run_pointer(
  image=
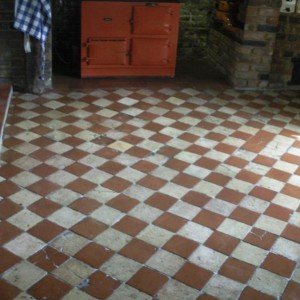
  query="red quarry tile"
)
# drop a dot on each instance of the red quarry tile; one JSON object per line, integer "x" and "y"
{"x": 8, "y": 188}
{"x": 181, "y": 246}
{"x": 138, "y": 250}
{"x": 193, "y": 276}
{"x": 8, "y": 209}
{"x": 144, "y": 166}
{"x": 207, "y": 163}
{"x": 263, "y": 193}
{"x": 196, "y": 198}
{"x": 161, "y": 201}
{"x": 8, "y": 291}
{"x": 292, "y": 291}
{"x": 252, "y": 294}
{"x": 278, "y": 212}
{"x": 237, "y": 270}
{"x": 48, "y": 259}
{"x": 43, "y": 170}
{"x": 101, "y": 286}
{"x": 85, "y": 205}
{"x": 261, "y": 238}
{"x": 225, "y": 148}
{"x": 46, "y": 230}
{"x": 7, "y": 260}
{"x": 248, "y": 176}
{"x": 77, "y": 169}
{"x": 259, "y": 141}
{"x": 244, "y": 215}
{"x": 292, "y": 233}
{"x": 123, "y": 203}
{"x": 222, "y": 242}
{"x": 185, "y": 180}
{"x": 264, "y": 160}
{"x": 130, "y": 225}
{"x": 111, "y": 167}
{"x": 81, "y": 186}
{"x": 176, "y": 164}
{"x": 116, "y": 184}
{"x": 9, "y": 170}
{"x": 236, "y": 162}
{"x": 148, "y": 281}
{"x": 170, "y": 222}
{"x": 231, "y": 196}
{"x": 217, "y": 178}
{"x": 94, "y": 255}
{"x": 152, "y": 182}
{"x": 75, "y": 154}
{"x": 8, "y": 232}
{"x": 43, "y": 187}
{"x": 49, "y": 288}
{"x": 44, "y": 207}
{"x": 209, "y": 219}
{"x": 291, "y": 190}
{"x": 278, "y": 175}
{"x": 279, "y": 264}
{"x": 89, "y": 228}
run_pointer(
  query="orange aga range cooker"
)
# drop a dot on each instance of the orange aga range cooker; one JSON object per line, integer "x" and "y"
{"x": 122, "y": 38}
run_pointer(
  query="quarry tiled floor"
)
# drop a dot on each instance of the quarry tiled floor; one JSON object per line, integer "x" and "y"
{"x": 151, "y": 194}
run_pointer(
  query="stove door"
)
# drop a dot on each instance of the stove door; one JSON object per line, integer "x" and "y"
{"x": 152, "y": 20}
{"x": 112, "y": 52}
{"x": 150, "y": 52}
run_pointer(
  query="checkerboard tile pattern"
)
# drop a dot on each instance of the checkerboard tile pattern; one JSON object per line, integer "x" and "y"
{"x": 151, "y": 193}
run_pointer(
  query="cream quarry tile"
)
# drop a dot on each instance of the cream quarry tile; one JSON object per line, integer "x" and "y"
{"x": 157, "y": 110}
{"x": 271, "y": 184}
{"x": 248, "y": 129}
{"x": 220, "y": 207}
{"x": 296, "y": 275}
{"x": 174, "y": 190}
{"x": 154, "y": 235}
{"x": 145, "y": 212}
{"x": 164, "y": 173}
{"x": 113, "y": 239}
{"x": 24, "y": 198}
{"x": 249, "y": 253}
{"x": 143, "y": 133}
{"x": 151, "y": 100}
{"x": 217, "y": 155}
{"x": 165, "y": 262}
{"x": 73, "y": 271}
{"x": 197, "y": 171}
{"x": 120, "y": 267}
{"x": 189, "y": 120}
{"x": 150, "y": 145}
{"x": 58, "y": 147}
{"x": 184, "y": 210}
{"x": 268, "y": 282}
{"x": 286, "y": 201}
{"x": 132, "y": 111}
{"x": 69, "y": 243}
{"x": 295, "y": 219}
{"x": 223, "y": 130}
{"x": 176, "y": 290}
{"x": 294, "y": 180}
{"x": 66, "y": 217}
{"x": 244, "y": 154}
{"x": 168, "y": 91}
{"x": 81, "y": 114}
{"x": 56, "y": 124}
{"x": 254, "y": 204}
{"x": 213, "y": 120}
{"x": 178, "y": 144}
{"x": 89, "y": 147}
{"x": 27, "y": 115}
{"x": 187, "y": 157}
{"x": 61, "y": 177}
{"x": 120, "y": 146}
{"x": 208, "y": 188}
{"x": 233, "y": 141}
{"x": 64, "y": 196}
{"x": 96, "y": 176}
{"x": 227, "y": 170}
{"x": 287, "y": 248}
{"x": 206, "y": 143}
{"x": 76, "y": 95}
{"x": 24, "y": 275}
{"x": 234, "y": 228}
{"x": 201, "y": 132}
{"x": 107, "y": 215}
{"x": 270, "y": 224}
{"x": 123, "y": 92}
{"x": 24, "y": 296}
{"x": 24, "y": 245}
{"x": 131, "y": 175}
{"x": 83, "y": 124}
{"x": 127, "y": 292}
{"x": 59, "y": 161}
{"x": 157, "y": 159}
{"x": 25, "y": 179}
{"x": 175, "y": 101}
{"x": 24, "y": 219}
{"x": 27, "y": 97}
{"x": 172, "y": 132}
{"x": 26, "y": 148}
{"x": 128, "y": 101}
{"x": 240, "y": 186}
{"x": 195, "y": 232}
{"x": 86, "y": 135}
{"x": 99, "y": 93}
{"x": 285, "y": 166}
{"x": 223, "y": 288}
{"x": 92, "y": 160}
{"x": 207, "y": 258}
{"x": 57, "y": 135}
{"x": 52, "y": 96}
{"x": 75, "y": 293}
{"x": 26, "y": 163}
{"x": 101, "y": 194}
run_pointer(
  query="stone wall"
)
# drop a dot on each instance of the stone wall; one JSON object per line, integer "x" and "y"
{"x": 245, "y": 56}
{"x": 287, "y": 48}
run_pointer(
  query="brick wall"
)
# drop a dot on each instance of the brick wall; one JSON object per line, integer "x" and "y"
{"x": 12, "y": 58}
{"x": 245, "y": 56}
{"x": 287, "y": 48}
